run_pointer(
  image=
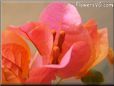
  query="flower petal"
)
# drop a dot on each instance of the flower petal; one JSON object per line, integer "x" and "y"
{"x": 103, "y": 46}
{"x": 11, "y": 65}
{"x": 17, "y": 30}
{"x": 65, "y": 14}
{"x": 74, "y": 34}
{"x": 36, "y": 61}
{"x": 43, "y": 40}
{"x": 39, "y": 35}
{"x": 91, "y": 27}
{"x": 28, "y": 26}
{"x": 73, "y": 60}
{"x": 16, "y": 50}
{"x": 41, "y": 76}
{"x": 101, "y": 52}
{"x": 80, "y": 55}
{"x": 8, "y": 77}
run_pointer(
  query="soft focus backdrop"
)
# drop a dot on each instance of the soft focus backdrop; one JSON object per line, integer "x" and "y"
{"x": 17, "y": 12}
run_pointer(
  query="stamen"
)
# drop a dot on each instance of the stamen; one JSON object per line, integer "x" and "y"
{"x": 55, "y": 55}
{"x": 57, "y": 48}
{"x": 54, "y": 34}
{"x": 61, "y": 39}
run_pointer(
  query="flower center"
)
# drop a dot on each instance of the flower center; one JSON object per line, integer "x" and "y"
{"x": 57, "y": 49}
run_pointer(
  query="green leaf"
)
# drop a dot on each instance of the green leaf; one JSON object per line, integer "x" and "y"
{"x": 93, "y": 77}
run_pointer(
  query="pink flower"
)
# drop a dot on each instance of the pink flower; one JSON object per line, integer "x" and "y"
{"x": 67, "y": 47}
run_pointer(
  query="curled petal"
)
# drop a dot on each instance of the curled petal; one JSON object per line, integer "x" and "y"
{"x": 65, "y": 14}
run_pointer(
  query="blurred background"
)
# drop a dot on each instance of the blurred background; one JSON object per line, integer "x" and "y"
{"x": 17, "y": 12}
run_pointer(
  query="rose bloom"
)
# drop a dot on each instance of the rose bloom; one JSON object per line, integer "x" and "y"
{"x": 65, "y": 47}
